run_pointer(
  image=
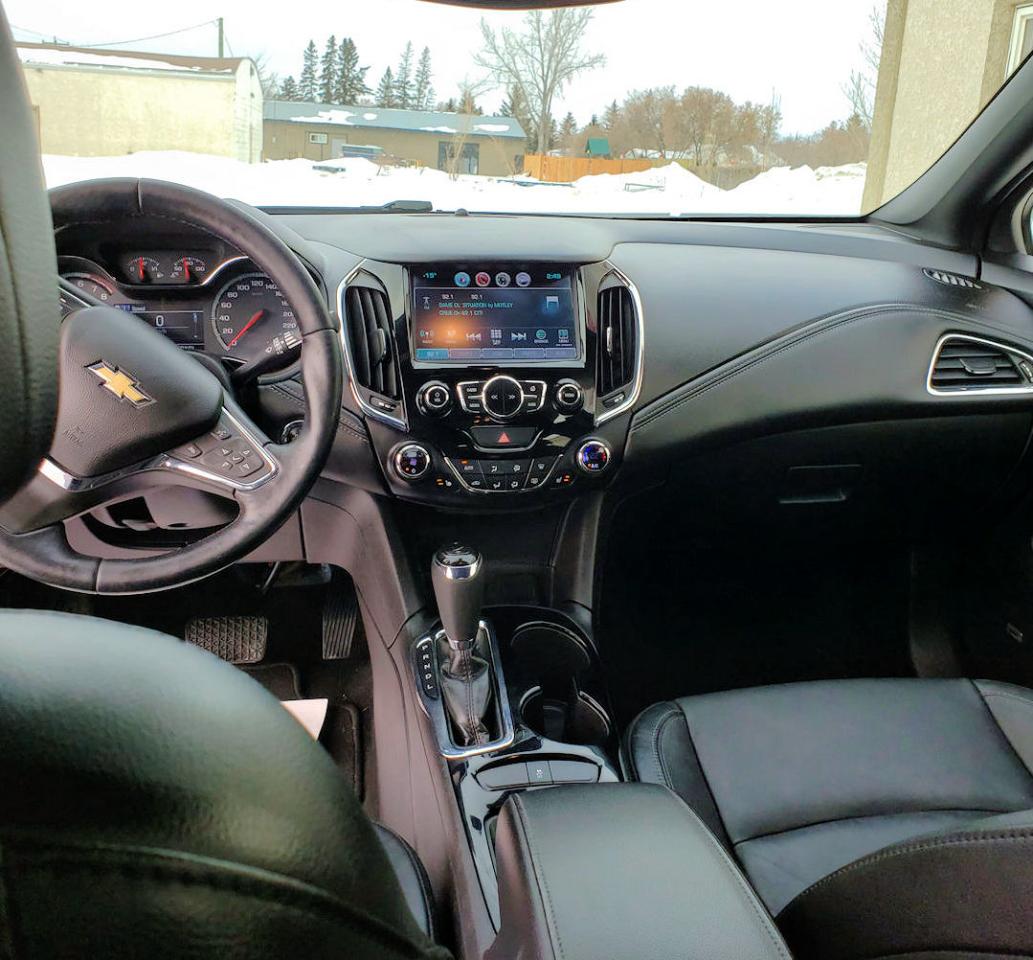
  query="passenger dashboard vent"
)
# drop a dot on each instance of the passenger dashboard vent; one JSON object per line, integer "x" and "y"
{"x": 617, "y": 343}
{"x": 952, "y": 279}
{"x": 373, "y": 360}
{"x": 971, "y": 365}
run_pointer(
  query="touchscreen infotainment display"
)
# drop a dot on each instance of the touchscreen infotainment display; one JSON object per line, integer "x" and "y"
{"x": 480, "y": 313}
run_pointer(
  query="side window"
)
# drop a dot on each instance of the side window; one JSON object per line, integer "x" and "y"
{"x": 1021, "y": 37}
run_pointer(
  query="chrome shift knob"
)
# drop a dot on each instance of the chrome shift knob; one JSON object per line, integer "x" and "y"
{"x": 458, "y": 577}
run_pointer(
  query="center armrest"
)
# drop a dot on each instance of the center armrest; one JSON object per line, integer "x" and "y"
{"x": 624, "y": 871}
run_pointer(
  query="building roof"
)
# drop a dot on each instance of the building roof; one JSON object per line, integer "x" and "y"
{"x": 63, "y": 55}
{"x": 414, "y": 121}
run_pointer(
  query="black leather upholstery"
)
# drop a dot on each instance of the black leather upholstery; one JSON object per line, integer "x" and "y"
{"x": 412, "y": 878}
{"x": 157, "y": 802}
{"x": 624, "y": 872}
{"x": 808, "y": 784}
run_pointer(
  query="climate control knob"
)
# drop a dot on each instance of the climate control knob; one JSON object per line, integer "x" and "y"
{"x": 593, "y": 456}
{"x": 412, "y": 461}
{"x": 434, "y": 398}
{"x": 569, "y": 396}
{"x": 502, "y": 397}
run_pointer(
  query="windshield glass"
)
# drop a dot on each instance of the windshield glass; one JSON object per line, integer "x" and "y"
{"x": 655, "y": 107}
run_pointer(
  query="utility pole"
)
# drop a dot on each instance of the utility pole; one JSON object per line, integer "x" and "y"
{"x": 219, "y": 22}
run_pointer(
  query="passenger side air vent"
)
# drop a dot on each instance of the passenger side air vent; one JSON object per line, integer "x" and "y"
{"x": 970, "y": 365}
{"x": 952, "y": 279}
{"x": 372, "y": 357}
{"x": 617, "y": 345}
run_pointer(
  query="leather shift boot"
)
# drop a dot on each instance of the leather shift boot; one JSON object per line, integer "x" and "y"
{"x": 466, "y": 687}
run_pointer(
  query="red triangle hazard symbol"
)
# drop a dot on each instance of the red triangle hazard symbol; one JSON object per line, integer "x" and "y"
{"x": 504, "y": 437}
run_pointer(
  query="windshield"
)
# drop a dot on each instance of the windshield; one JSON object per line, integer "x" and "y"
{"x": 652, "y": 107}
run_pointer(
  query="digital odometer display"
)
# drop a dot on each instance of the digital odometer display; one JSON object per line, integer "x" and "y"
{"x": 471, "y": 314}
{"x": 184, "y": 327}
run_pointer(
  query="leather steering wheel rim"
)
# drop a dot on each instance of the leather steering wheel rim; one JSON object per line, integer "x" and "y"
{"x": 45, "y": 554}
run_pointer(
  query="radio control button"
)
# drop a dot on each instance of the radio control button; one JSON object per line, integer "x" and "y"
{"x": 569, "y": 396}
{"x": 502, "y": 397}
{"x": 434, "y": 398}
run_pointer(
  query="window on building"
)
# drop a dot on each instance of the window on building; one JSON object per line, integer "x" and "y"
{"x": 469, "y": 157}
{"x": 317, "y": 138}
{"x": 1021, "y": 37}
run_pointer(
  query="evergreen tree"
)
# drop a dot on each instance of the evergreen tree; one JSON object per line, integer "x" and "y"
{"x": 423, "y": 92}
{"x": 447, "y": 106}
{"x": 404, "y": 80}
{"x": 351, "y": 78}
{"x": 569, "y": 126}
{"x": 594, "y": 122}
{"x": 611, "y": 115}
{"x": 289, "y": 89}
{"x": 385, "y": 95}
{"x": 308, "y": 86}
{"x": 328, "y": 71}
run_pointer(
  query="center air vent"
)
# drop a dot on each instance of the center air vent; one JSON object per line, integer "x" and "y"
{"x": 617, "y": 345}
{"x": 972, "y": 365}
{"x": 373, "y": 363}
{"x": 952, "y": 279}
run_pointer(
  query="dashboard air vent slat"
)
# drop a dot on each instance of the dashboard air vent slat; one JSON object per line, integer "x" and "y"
{"x": 964, "y": 365}
{"x": 369, "y": 333}
{"x": 616, "y": 339}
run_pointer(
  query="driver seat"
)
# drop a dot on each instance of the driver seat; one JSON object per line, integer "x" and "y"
{"x": 157, "y": 802}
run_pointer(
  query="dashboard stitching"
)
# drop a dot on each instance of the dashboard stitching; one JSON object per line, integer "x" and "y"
{"x": 341, "y": 426}
{"x": 825, "y": 325}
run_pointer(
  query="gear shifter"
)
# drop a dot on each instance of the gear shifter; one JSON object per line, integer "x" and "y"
{"x": 457, "y": 574}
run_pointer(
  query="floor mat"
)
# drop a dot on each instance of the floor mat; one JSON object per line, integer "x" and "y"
{"x": 280, "y": 679}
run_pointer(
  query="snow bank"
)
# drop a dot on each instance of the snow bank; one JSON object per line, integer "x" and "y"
{"x": 356, "y": 181}
{"x": 55, "y": 55}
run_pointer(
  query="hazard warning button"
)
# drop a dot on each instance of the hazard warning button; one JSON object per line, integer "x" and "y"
{"x": 503, "y": 438}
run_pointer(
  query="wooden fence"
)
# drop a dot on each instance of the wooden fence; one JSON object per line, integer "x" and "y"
{"x": 567, "y": 169}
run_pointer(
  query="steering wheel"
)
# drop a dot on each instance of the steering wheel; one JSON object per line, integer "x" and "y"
{"x": 135, "y": 411}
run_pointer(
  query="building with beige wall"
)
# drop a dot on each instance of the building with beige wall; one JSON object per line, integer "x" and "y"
{"x": 455, "y": 142}
{"x": 92, "y": 102}
{"x": 942, "y": 61}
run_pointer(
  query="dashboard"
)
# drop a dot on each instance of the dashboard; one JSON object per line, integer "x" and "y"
{"x": 499, "y": 363}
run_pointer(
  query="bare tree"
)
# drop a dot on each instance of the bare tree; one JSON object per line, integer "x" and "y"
{"x": 859, "y": 90}
{"x": 540, "y": 58}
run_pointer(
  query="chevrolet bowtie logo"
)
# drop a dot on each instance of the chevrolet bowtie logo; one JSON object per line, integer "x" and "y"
{"x": 120, "y": 383}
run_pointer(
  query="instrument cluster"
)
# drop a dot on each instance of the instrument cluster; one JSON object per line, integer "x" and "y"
{"x": 223, "y": 306}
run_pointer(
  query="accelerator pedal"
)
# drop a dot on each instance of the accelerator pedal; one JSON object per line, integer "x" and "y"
{"x": 340, "y": 620}
{"x": 234, "y": 639}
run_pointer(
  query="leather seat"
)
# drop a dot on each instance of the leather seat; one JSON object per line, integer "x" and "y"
{"x": 157, "y": 802}
{"x": 875, "y": 818}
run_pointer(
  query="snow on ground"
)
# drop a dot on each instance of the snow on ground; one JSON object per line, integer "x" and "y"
{"x": 669, "y": 189}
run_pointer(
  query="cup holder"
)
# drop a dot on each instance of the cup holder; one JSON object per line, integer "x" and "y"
{"x": 577, "y": 720}
{"x": 555, "y": 668}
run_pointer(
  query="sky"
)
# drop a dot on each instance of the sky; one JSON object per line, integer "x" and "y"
{"x": 800, "y": 50}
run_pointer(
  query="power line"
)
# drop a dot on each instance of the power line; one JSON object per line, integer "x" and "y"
{"x": 153, "y": 36}
{"x": 116, "y": 43}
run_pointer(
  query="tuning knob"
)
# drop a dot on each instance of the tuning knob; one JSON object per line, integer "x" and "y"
{"x": 569, "y": 396}
{"x": 503, "y": 397}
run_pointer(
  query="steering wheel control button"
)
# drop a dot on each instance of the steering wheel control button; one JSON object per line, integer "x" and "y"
{"x": 503, "y": 438}
{"x": 412, "y": 461}
{"x": 190, "y": 450}
{"x": 593, "y": 456}
{"x": 434, "y": 398}
{"x": 502, "y": 397}
{"x": 569, "y": 396}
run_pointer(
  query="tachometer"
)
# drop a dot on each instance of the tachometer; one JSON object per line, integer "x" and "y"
{"x": 251, "y": 316}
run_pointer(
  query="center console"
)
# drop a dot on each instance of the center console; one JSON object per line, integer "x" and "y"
{"x": 490, "y": 382}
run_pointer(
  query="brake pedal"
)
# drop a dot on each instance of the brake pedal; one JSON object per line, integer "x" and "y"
{"x": 234, "y": 639}
{"x": 340, "y": 619}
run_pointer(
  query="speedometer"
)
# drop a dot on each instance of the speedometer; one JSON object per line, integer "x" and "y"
{"x": 251, "y": 317}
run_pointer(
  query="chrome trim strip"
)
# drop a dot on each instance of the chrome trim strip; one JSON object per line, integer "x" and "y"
{"x": 640, "y": 344}
{"x": 975, "y": 392}
{"x": 399, "y": 423}
{"x": 466, "y": 572}
{"x": 435, "y": 706}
